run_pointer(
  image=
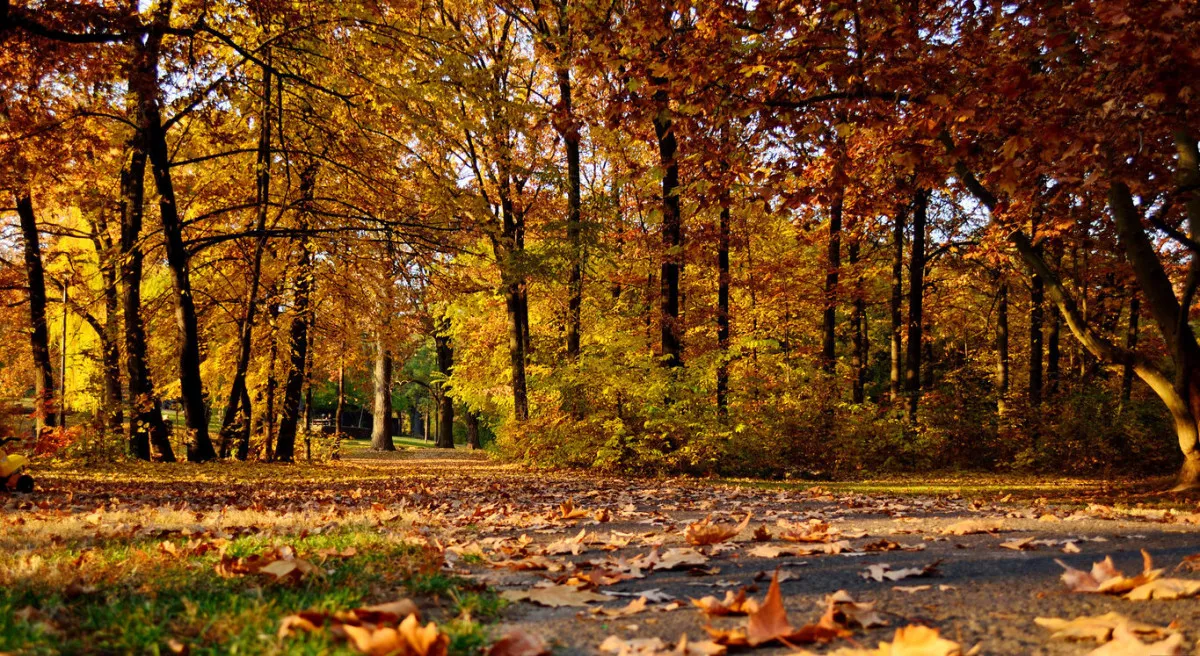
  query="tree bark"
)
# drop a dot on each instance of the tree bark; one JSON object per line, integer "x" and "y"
{"x": 1131, "y": 340}
{"x": 272, "y": 380}
{"x": 1035, "y": 341}
{"x": 298, "y": 339}
{"x": 199, "y": 447}
{"x": 445, "y": 361}
{"x": 146, "y": 424}
{"x": 381, "y": 428}
{"x": 571, "y": 137}
{"x": 858, "y": 364}
{"x": 1002, "y": 361}
{"x": 472, "y": 421}
{"x": 236, "y": 418}
{"x": 416, "y": 424}
{"x": 671, "y": 330}
{"x": 897, "y": 311}
{"x": 833, "y": 266}
{"x": 1053, "y": 353}
{"x": 916, "y": 290}
{"x": 723, "y": 284}
{"x": 39, "y": 334}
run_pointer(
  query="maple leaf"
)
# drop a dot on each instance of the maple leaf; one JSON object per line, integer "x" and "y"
{"x": 769, "y": 623}
{"x": 1165, "y": 589}
{"x": 733, "y": 604}
{"x": 843, "y": 611}
{"x": 409, "y": 639}
{"x": 674, "y": 558}
{"x": 1098, "y": 628}
{"x": 812, "y": 531}
{"x": 1125, "y": 642}
{"x": 568, "y": 511}
{"x": 706, "y": 532}
{"x": 973, "y": 526}
{"x": 1106, "y": 578}
{"x": 555, "y": 596}
{"x": 632, "y": 608}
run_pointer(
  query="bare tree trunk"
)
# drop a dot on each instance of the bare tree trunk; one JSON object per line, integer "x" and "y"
{"x": 1053, "y": 353}
{"x": 39, "y": 335}
{"x": 272, "y": 381}
{"x": 472, "y": 421}
{"x": 298, "y": 340}
{"x": 146, "y": 424}
{"x": 570, "y": 135}
{"x": 1131, "y": 340}
{"x": 916, "y": 291}
{"x": 833, "y": 266}
{"x": 1035, "y": 340}
{"x": 897, "y": 358}
{"x": 723, "y": 284}
{"x": 858, "y": 364}
{"x": 1002, "y": 347}
{"x": 381, "y": 429}
{"x": 671, "y": 330}
{"x": 236, "y": 418}
{"x": 445, "y": 361}
{"x": 199, "y": 447}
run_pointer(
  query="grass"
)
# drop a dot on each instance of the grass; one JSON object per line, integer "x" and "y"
{"x": 110, "y": 564}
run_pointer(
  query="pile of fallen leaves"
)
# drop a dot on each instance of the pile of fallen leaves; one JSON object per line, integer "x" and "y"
{"x": 391, "y": 629}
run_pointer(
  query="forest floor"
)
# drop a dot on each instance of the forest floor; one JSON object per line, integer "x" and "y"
{"x": 222, "y": 558}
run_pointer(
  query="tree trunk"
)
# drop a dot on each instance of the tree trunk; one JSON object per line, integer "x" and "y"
{"x": 445, "y": 361}
{"x": 416, "y": 424}
{"x": 272, "y": 380}
{"x": 858, "y": 364}
{"x": 298, "y": 339}
{"x": 339, "y": 415}
{"x": 146, "y": 424}
{"x": 723, "y": 280}
{"x": 1002, "y": 347}
{"x": 1052, "y": 336}
{"x": 1131, "y": 340}
{"x": 1035, "y": 341}
{"x": 671, "y": 330}
{"x": 570, "y": 135}
{"x": 199, "y": 447}
{"x": 833, "y": 266}
{"x": 897, "y": 358}
{"x": 472, "y": 421}
{"x": 39, "y": 335}
{"x": 236, "y": 418}
{"x": 916, "y": 290}
{"x": 381, "y": 429}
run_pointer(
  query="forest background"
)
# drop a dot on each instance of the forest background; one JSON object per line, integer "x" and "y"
{"x": 746, "y": 238}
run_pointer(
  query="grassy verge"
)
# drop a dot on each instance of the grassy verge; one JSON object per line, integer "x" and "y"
{"x": 145, "y": 575}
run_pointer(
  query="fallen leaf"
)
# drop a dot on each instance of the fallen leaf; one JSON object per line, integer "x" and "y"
{"x": 733, "y": 604}
{"x": 884, "y": 572}
{"x": 706, "y": 532}
{"x": 1019, "y": 544}
{"x": 1165, "y": 589}
{"x": 1106, "y": 578}
{"x": 632, "y": 608}
{"x": 1125, "y": 642}
{"x": 519, "y": 643}
{"x": 973, "y": 526}
{"x": 1098, "y": 628}
{"x": 841, "y": 610}
{"x": 555, "y": 596}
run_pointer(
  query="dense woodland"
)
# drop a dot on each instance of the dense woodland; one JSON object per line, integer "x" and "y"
{"x": 782, "y": 237}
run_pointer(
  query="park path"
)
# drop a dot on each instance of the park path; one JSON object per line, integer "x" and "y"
{"x": 515, "y": 529}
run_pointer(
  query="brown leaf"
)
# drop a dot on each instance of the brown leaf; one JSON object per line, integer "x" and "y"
{"x": 812, "y": 531}
{"x": 1106, "y": 578}
{"x": 519, "y": 643}
{"x": 568, "y": 511}
{"x": 883, "y": 571}
{"x": 770, "y": 623}
{"x": 973, "y": 526}
{"x": 1098, "y": 628}
{"x": 555, "y": 596}
{"x": 733, "y": 604}
{"x": 842, "y": 611}
{"x": 1165, "y": 589}
{"x": 1125, "y": 642}
{"x": 706, "y": 532}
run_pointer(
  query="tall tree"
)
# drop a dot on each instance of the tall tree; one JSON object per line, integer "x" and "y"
{"x": 39, "y": 334}
{"x": 916, "y": 296}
